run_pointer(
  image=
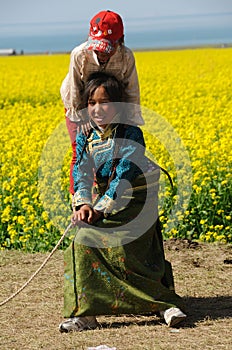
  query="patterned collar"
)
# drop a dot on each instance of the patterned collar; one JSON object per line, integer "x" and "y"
{"x": 109, "y": 130}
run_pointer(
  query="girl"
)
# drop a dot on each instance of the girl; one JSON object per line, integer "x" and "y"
{"x": 116, "y": 263}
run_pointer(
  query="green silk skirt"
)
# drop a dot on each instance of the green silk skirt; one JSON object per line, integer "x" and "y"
{"x": 117, "y": 266}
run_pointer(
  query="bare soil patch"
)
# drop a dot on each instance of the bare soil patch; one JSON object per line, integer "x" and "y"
{"x": 202, "y": 276}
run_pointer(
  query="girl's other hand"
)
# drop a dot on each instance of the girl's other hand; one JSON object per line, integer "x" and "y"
{"x": 84, "y": 214}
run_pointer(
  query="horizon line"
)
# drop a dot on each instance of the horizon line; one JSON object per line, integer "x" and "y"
{"x": 180, "y": 16}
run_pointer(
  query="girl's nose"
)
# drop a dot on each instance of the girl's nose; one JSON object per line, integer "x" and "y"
{"x": 97, "y": 107}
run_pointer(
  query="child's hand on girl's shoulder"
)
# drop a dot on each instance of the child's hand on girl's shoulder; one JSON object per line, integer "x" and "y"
{"x": 84, "y": 127}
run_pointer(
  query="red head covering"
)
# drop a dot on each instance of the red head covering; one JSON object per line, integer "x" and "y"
{"x": 106, "y": 28}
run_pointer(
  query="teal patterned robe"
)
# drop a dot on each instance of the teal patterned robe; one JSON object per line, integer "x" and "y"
{"x": 117, "y": 265}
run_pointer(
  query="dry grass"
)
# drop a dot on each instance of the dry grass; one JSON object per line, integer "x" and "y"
{"x": 202, "y": 277}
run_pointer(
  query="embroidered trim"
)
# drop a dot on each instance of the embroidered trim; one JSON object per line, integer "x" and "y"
{"x": 81, "y": 197}
{"x": 105, "y": 204}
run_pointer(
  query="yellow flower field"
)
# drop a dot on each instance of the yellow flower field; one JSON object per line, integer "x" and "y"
{"x": 188, "y": 92}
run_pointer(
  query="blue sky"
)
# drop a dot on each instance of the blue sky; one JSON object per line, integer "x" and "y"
{"x": 24, "y": 18}
{"x": 40, "y": 11}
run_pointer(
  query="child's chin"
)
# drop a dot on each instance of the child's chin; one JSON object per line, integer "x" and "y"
{"x": 100, "y": 123}
{"x": 103, "y": 126}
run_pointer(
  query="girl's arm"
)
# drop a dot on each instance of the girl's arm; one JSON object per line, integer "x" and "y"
{"x": 82, "y": 175}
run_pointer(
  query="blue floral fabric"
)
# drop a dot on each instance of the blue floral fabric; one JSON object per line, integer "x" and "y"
{"x": 97, "y": 153}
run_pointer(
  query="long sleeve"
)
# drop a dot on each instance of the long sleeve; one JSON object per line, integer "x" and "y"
{"x": 131, "y": 81}
{"x": 72, "y": 86}
{"x": 132, "y": 89}
{"x": 83, "y": 175}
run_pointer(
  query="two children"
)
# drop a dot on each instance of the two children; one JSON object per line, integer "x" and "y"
{"x": 104, "y": 51}
{"x": 102, "y": 277}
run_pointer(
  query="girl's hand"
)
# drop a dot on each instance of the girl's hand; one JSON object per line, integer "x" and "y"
{"x": 85, "y": 214}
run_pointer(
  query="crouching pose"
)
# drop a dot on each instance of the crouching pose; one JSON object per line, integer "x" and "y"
{"x": 116, "y": 263}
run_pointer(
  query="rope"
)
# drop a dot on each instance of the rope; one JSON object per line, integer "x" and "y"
{"x": 39, "y": 269}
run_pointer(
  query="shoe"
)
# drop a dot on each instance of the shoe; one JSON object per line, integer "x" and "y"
{"x": 173, "y": 316}
{"x": 78, "y": 324}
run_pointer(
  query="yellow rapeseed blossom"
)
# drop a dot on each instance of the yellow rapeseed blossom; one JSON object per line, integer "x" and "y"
{"x": 191, "y": 92}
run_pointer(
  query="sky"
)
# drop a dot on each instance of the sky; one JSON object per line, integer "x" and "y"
{"x": 62, "y": 17}
{"x": 41, "y": 11}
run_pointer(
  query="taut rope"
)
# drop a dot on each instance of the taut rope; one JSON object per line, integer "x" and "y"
{"x": 39, "y": 269}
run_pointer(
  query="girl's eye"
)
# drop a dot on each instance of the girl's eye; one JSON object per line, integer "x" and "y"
{"x": 92, "y": 103}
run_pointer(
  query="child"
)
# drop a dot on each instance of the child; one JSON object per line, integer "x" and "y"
{"x": 103, "y": 51}
{"x": 116, "y": 263}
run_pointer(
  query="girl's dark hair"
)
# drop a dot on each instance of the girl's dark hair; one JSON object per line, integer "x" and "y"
{"x": 113, "y": 87}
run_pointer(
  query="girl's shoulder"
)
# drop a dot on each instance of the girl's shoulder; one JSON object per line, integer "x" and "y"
{"x": 80, "y": 138}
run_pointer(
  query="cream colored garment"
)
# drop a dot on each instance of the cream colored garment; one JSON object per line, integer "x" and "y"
{"x": 84, "y": 62}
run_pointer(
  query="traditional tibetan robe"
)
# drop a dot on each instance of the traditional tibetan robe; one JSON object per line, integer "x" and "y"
{"x": 117, "y": 265}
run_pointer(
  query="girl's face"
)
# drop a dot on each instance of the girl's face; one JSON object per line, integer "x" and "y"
{"x": 101, "y": 110}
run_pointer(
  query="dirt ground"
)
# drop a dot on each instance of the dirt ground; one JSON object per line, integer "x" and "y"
{"x": 202, "y": 277}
